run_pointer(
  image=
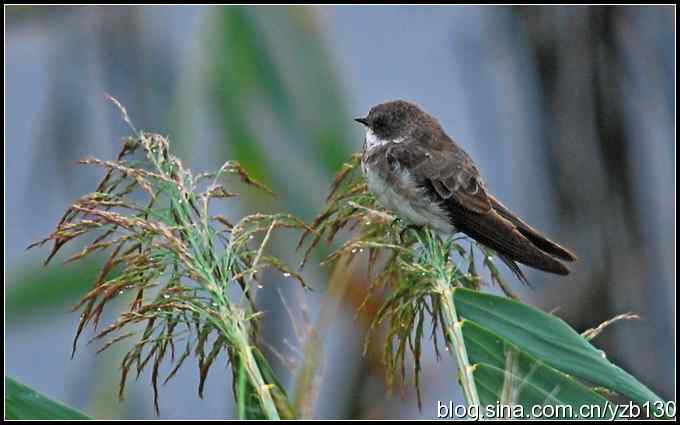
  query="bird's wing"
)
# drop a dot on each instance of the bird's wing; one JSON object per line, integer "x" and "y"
{"x": 450, "y": 172}
{"x": 532, "y": 234}
{"x": 501, "y": 235}
{"x": 452, "y": 178}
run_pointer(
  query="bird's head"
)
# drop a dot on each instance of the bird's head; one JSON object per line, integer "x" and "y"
{"x": 391, "y": 121}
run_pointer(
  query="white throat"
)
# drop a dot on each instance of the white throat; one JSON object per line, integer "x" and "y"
{"x": 372, "y": 140}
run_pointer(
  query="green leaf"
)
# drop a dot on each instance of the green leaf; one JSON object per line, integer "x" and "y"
{"x": 263, "y": 82}
{"x": 241, "y": 67}
{"x": 22, "y": 402}
{"x": 321, "y": 114}
{"x": 506, "y": 375}
{"x": 548, "y": 339}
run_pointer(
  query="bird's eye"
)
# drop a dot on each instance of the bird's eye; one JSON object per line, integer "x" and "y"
{"x": 379, "y": 123}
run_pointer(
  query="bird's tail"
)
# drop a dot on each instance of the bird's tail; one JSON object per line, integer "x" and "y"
{"x": 541, "y": 242}
{"x": 499, "y": 231}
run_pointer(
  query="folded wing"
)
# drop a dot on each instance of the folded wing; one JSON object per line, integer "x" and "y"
{"x": 454, "y": 182}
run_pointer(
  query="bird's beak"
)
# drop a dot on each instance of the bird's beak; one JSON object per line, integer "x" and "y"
{"x": 363, "y": 121}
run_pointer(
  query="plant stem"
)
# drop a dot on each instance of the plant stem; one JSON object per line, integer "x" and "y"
{"x": 240, "y": 337}
{"x": 241, "y": 401}
{"x": 453, "y": 331}
{"x": 256, "y": 379}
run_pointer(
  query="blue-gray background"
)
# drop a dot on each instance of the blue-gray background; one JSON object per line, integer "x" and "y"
{"x": 568, "y": 111}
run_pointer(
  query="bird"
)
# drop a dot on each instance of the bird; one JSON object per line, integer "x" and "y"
{"x": 414, "y": 169}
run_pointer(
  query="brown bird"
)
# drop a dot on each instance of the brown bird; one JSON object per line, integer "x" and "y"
{"x": 417, "y": 171}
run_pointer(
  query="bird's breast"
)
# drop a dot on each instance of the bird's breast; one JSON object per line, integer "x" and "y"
{"x": 396, "y": 190}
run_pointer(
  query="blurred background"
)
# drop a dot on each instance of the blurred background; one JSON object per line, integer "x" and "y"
{"x": 568, "y": 111}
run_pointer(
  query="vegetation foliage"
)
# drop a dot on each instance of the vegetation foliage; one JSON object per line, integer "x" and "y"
{"x": 191, "y": 275}
{"x": 507, "y": 352}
